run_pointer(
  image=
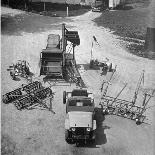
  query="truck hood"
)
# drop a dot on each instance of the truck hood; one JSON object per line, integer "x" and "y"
{"x": 80, "y": 119}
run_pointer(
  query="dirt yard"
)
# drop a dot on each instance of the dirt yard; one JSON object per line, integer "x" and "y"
{"x": 40, "y": 132}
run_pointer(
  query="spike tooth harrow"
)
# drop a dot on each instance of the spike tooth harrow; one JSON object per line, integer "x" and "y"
{"x": 122, "y": 108}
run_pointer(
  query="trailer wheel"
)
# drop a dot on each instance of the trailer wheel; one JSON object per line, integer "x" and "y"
{"x": 64, "y": 97}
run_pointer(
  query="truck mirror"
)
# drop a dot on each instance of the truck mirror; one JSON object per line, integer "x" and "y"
{"x": 64, "y": 97}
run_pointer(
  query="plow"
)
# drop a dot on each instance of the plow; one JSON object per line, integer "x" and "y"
{"x": 123, "y": 108}
{"x": 29, "y": 95}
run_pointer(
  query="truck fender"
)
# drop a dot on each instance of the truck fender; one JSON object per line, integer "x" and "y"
{"x": 67, "y": 124}
{"x": 94, "y": 124}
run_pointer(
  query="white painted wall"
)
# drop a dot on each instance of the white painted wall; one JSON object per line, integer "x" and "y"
{"x": 114, "y": 3}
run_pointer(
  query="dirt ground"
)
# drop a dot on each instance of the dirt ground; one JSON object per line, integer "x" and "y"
{"x": 40, "y": 132}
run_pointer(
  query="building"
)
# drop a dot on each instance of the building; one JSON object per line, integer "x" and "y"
{"x": 82, "y": 2}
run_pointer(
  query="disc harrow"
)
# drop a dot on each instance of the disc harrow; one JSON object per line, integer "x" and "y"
{"x": 31, "y": 87}
{"x": 11, "y": 96}
{"x": 42, "y": 94}
{"x": 35, "y": 94}
{"x": 24, "y": 102}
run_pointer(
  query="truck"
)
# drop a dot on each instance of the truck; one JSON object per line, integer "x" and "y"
{"x": 80, "y": 123}
{"x": 97, "y": 6}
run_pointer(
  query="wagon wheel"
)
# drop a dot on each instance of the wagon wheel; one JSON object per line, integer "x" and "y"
{"x": 5, "y": 99}
{"x": 64, "y": 97}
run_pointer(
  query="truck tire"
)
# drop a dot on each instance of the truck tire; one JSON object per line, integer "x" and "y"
{"x": 69, "y": 141}
{"x": 64, "y": 97}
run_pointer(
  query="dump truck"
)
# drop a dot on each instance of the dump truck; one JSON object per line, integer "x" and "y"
{"x": 80, "y": 123}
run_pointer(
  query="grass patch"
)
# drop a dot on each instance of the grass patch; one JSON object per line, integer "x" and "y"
{"x": 30, "y": 23}
{"x": 128, "y": 22}
{"x": 50, "y": 9}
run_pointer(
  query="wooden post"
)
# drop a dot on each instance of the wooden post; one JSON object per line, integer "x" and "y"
{"x": 91, "y": 52}
{"x": 25, "y": 6}
{"x": 44, "y": 6}
{"x": 67, "y": 11}
{"x": 63, "y": 43}
{"x": 73, "y": 52}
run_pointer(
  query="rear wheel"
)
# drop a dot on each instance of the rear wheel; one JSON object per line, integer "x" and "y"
{"x": 64, "y": 97}
{"x": 68, "y": 140}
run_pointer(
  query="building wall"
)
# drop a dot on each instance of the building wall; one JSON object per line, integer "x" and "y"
{"x": 114, "y": 3}
{"x": 87, "y": 2}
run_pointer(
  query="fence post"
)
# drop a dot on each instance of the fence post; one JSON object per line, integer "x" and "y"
{"x": 44, "y": 6}
{"x": 67, "y": 11}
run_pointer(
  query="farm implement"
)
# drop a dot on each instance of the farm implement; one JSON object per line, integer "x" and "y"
{"x": 29, "y": 95}
{"x": 21, "y": 68}
{"x": 104, "y": 63}
{"x": 58, "y": 59}
{"x": 124, "y": 108}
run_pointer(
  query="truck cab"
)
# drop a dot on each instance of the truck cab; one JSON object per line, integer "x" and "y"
{"x": 80, "y": 124}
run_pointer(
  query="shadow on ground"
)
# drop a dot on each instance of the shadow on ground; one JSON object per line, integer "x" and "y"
{"x": 100, "y": 131}
{"x": 29, "y": 23}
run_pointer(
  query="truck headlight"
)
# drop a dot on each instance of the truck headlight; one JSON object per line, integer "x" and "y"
{"x": 73, "y": 129}
{"x": 88, "y": 129}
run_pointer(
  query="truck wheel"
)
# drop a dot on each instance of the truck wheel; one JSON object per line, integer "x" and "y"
{"x": 64, "y": 97}
{"x": 69, "y": 141}
{"x": 92, "y": 141}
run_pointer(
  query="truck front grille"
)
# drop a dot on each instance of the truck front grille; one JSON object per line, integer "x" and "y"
{"x": 80, "y": 131}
